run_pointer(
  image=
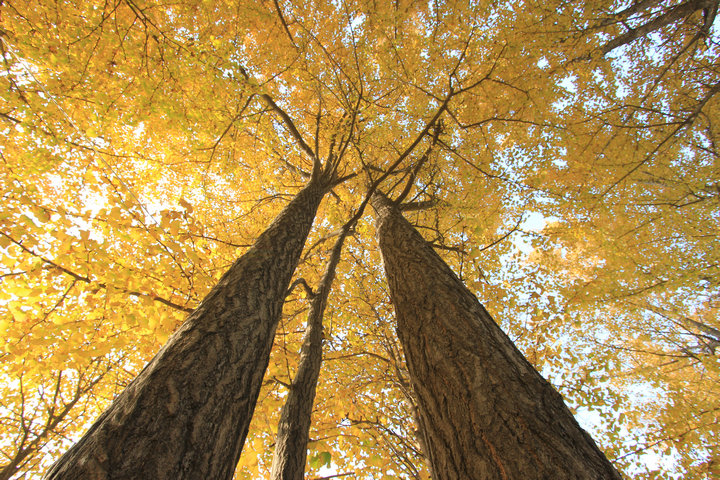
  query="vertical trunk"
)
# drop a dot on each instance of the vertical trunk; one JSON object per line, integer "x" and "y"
{"x": 187, "y": 413}
{"x": 295, "y": 417}
{"x": 484, "y": 410}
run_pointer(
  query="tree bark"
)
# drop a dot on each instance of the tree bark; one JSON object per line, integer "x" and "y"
{"x": 485, "y": 412}
{"x": 186, "y": 415}
{"x": 295, "y": 417}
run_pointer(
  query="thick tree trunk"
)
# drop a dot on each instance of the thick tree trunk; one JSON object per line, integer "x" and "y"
{"x": 186, "y": 415}
{"x": 485, "y": 412}
{"x": 295, "y": 417}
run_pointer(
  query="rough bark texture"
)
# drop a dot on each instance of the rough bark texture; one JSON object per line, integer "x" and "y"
{"x": 485, "y": 412}
{"x": 187, "y": 413}
{"x": 295, "y": 417}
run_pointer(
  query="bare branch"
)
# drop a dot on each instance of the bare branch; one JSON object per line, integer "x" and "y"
{"x": 674, "y": 14}
{"x": 291, "y": 127}
{"x": 88, "y": 280}
{"x": 284, "y": 23}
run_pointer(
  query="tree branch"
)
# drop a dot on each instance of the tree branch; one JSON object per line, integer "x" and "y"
{"x": 674, "y": 14}
{"x": 89, "y": 281}
{"x": 284, "y": 23}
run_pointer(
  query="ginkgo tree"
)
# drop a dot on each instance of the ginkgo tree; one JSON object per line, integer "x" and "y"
{"x": 642, "y": 174}
{"x": 145, "y": 147}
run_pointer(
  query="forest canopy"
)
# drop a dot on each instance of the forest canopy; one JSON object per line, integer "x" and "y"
{"x": 561, "y": 157}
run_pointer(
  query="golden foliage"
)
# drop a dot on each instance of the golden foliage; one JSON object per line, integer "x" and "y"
{"x": 140, "y": 157}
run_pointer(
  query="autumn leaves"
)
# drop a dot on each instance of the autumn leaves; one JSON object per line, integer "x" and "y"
{"x": 145, "y": 146}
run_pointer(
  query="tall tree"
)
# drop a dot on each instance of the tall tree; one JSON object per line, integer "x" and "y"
{"x": 294, "y": 425}
{"x": 290, "y": 452}
{"x": 485, "y": 412}
{"x": 139, "y": 158}
{"x": 187, "y": 414}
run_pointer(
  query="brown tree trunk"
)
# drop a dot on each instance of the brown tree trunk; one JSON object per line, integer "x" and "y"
{"x": 485, "y": 412}
{"x": 295, "y": 417}
{"x": 186, "y": 415}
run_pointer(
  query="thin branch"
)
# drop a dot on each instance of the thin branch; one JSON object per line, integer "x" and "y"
{"x": 674, "y": 14}
{"x": 420, "y": 163}
{"x": 513, "y": 230}
{"x": 334, "y": 476}
{"x": 304, "y": 284}
{"x": 686, "y": 123}
{"x": 284, "y": 23}
{"x": 89, "y": 281}
{"x": 291, "y": 127}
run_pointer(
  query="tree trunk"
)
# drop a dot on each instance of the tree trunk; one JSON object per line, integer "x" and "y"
{"x": 186, "y": 415}
{"x": 485, "y": 412}
{"x": 295, "y": 417}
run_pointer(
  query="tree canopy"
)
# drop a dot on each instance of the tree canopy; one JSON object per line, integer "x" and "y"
{"x": 560, "y": 155}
